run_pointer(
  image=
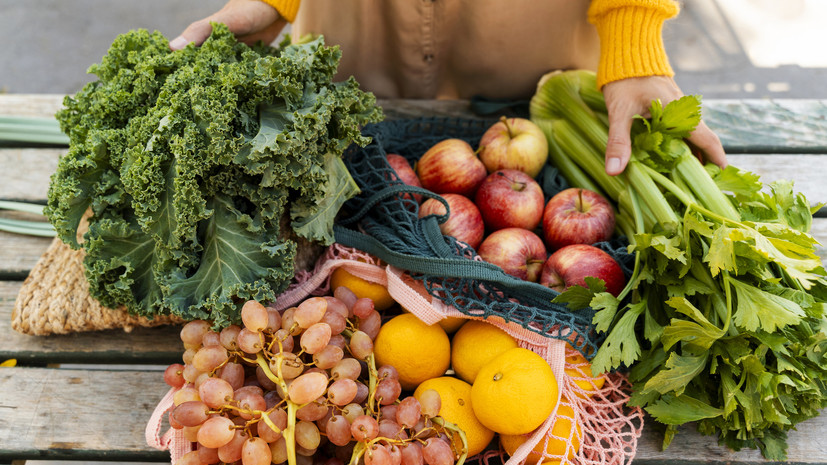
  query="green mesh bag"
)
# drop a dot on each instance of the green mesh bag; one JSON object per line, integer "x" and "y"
{"x": 383, "y": 221}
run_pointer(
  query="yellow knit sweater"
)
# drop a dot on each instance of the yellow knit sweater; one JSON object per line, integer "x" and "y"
{"x": 631, "y": 43}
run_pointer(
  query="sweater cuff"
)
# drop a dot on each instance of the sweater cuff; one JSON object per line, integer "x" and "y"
{"x": 631, "y": 44}
{"x": 287, "y": 8}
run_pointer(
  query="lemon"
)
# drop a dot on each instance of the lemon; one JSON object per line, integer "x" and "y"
{"x": 382, "y": 299}
{"x": 475, "y": 344}
{"x": 556, "y": 447}
{"x": 452, "y": 323}
{"x": 418, "y": 351}
{"x": 455, "y": 395}
{"x": 514, "y": 392}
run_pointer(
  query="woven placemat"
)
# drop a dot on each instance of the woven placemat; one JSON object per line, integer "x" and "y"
{"x": 55, "y": 299}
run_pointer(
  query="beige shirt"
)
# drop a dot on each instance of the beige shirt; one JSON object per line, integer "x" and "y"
{"x": 453, "y": 48}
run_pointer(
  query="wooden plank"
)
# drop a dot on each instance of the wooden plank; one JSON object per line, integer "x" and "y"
{"x": 39, "y": 105}
{"x": 160, "y": 345}
{"x": 60, "y": 414}
{"x": 26, "y": 173}
{"x": 19, "y": 253}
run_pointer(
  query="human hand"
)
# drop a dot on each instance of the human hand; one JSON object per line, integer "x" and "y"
{"x": 626, "y": 98}
{"x": 249, "y": 20}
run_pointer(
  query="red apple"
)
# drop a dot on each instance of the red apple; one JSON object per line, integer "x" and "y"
{"x": 514, "y": 143}
{"x": 405, "y": 172}
{"x": 510, "y": 199}
{"x": 577, "y": 216}
{"x": 519, "y": 252}
{"x": 570, "y": 266}
{"x": 465, "y": 221}
{"x": 451, "y": 167}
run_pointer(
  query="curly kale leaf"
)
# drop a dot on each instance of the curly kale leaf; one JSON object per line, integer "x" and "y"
{"x": 185, "y": 164}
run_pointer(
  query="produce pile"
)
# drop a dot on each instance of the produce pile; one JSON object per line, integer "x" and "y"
{"x": 723, "y": 322}
{"x": 200, "y": 170}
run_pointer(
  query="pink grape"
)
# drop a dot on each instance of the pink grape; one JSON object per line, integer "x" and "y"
{"x": 430, "y": 403}
{"x": 278, "y": 451}
{"x": 347, "y": 297}
{"x": 395, "y": 454}
{"x": 371, "y": 324}
{"x": 342, "y": 391}
{"x": 216, "y": 432}
{"x": 310, "y": 311}
{"x": 188, "y": 354}
{"x": 387, "y": 371}
{"x": 215, "y": 392}
{"x": 208, "y": 455}
{"x": 231, "y": 451}
{"x": 337, "y": 322}
{"x": 338, "y": 430}
{"x": 208, "y": 358}
{"x": 273, "y": 320}
{"x": 190, "y": 458}
{"x": 391, "y": 430}
{"x": 362, "y": 392}
{"x": 361, "y": 345}
{"x": 408, "y": 412}
{"x": 313, "y": 411}
{"x": 307, "y": 387}
{"x": 307, "y": 435}
{"x": 288, "y": 321}
{"x": 191, "y": 413}
{"x": 388, "y": 412}
{"x": 349, "y": 368}
{"x": 211, "y": 338}
{"x": 186, "y": 393}
{"x": 250, "y": 401}
{"x": 191, "y": 433}
{"x": 362, "y": 307}
{"x": 232, "y": 373}
{"x": 254, "y": 316}
{"x": 287, "y": 341}
{"x": 411, "y": 453}
{"x": 248, "y": 389}
{"x": 335, "y": 305}
{"x": 437, "y": 452}
{"x": 315, "y": 338}
{"x": 192, "y": 332}
{"x": 255, "y": 451}
{"x": 338, "y": 340}
{"x": 174, "y": 375}
{"x": 249, "y": 341}
{"x": 387, "y": 391}
{"x": 291, "y": 365}
{"x": 328, "y": 357}
{"x": 190, "y": 373}
{"x": 364, "y": 428}
{"x": 352, "y": 411}
{"x": 229, "y": 337}
{"x": 264, "y": 381}
{"x": 377, "y": 454}
{"x": 279, "y": 419}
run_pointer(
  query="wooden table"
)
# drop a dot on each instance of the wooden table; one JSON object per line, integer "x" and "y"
{"x": 66, "y": 401}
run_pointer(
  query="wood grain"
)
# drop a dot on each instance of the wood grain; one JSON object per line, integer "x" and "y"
{"x": 160, "y": 345}
{"x": 64, "y": 414}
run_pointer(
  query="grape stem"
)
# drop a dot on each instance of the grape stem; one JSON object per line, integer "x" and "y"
{"x": 289, "y": 432}
{"x": 457, "y": 430}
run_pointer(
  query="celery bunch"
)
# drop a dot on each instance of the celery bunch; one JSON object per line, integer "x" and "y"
{"x": 723, "y": 321}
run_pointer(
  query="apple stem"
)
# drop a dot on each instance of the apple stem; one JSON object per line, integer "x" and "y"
{"x": 518, "y": 186}
{"x": 580, "y": 200}
{"x": 507, "y": 126}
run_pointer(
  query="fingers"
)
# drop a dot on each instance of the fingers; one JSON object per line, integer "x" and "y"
{"x": 619, "y": 143}
{"x": 196, "y": 33}
{"x": 707, "y": 141}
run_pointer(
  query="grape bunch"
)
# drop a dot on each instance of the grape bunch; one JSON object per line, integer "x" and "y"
{"x": 301, "y": 386}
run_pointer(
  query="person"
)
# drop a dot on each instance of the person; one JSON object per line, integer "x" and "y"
{"x": 437, "y": 49}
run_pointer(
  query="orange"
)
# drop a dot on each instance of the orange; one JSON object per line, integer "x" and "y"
{"x": 514, "y": 392}
{"x": 581, "y": 375}
{"x": 475, "y": 344}
{"x": 455, "y": 395}
{"x": 556, "y": 447}
{"x": 418, "y": 351}
{"x": 382, "y": 299}
{"x": 452, "y": 323}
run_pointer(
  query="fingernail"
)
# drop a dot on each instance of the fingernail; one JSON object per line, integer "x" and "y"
{"x": 178, "y": 43}
{"x": 613, "y": 165}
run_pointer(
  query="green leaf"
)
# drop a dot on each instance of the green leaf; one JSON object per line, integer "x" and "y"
{"x": 621, "y": 346}
{"x": 579, "y": 297}
{"x": 698, "y": 333}
{"x": 678, "y": 371}
{"x": 316, "y": 223}
{"x": 679, "y": 118}
{"x": 677, "y": 410}
{"x": 760, "y": 309}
